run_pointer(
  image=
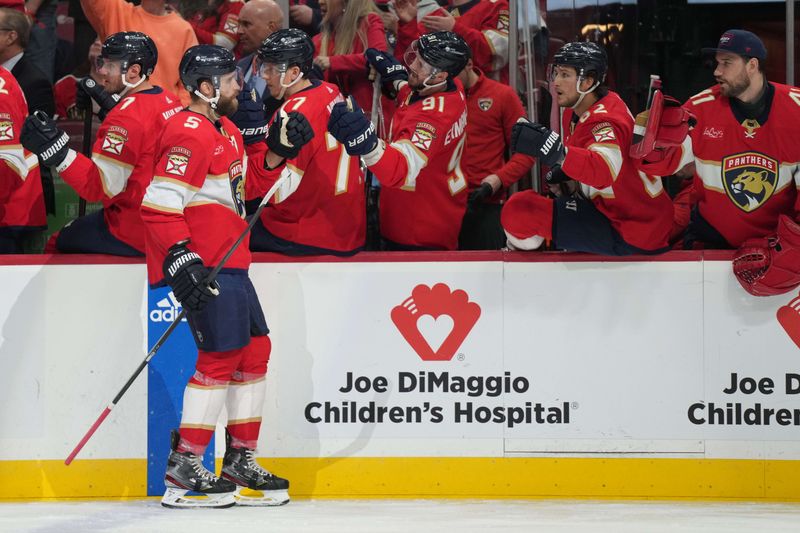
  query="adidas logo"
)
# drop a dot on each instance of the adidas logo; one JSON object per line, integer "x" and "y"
{"x": 167, "y": 309}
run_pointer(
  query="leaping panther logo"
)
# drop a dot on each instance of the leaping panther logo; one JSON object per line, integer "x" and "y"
{"x": 749, "y": 179}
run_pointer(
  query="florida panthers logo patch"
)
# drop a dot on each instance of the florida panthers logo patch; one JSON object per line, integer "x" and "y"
{"x": 423, "y": 136}
{"x": 749, "y": 179}
{"x": 231, "y": 24}
{"x": 485, "y": 103}
{"x": 604, "y": 133}
{"x": 6, "y": 130}
{"x": 503, "y": 21}
{"x": 177, "y": 161}
{"x": 237, "y": 186}
{"x": 113, "y": 143}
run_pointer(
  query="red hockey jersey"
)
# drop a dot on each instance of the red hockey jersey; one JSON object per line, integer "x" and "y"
{"x": 484, "y": 26}
{"x": 122, "y": 161}
{"x": 20, "y": 181}
{"x": 597, "y": 147}
{"x": 197, "y": 193}
{"x": 424, "y": 192}
{"x": 64, "y": 93}
{"x": 746, "y": 173}
{"x": 322, "y": 204}
{"x": 17, "y": 165}
{"x": 492, "y": 110}
{"x": 222, "y": 29}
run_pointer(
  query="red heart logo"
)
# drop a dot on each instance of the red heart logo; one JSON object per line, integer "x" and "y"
{"x": 789, "y": 318}
{"x": 435, "y": 320}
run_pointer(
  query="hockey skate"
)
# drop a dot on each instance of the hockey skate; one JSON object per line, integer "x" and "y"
{"x": 185, "y": 472}
{"x": 255, "y": 485}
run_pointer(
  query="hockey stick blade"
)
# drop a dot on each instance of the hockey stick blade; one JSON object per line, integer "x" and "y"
{"x": 164, "y": 336}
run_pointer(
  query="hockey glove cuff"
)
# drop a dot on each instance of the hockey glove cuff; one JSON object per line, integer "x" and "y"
{"x": 41, "y": 136}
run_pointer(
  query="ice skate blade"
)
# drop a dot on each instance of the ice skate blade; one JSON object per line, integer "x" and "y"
{"x": 176, "y": 499}
{"x": 257, "y": 498}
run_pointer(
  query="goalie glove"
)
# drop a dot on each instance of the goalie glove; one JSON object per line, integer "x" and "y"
{"x": 770, "y": 265}
{"x": 185, "y": 273}
{"x": 662, "y": 127}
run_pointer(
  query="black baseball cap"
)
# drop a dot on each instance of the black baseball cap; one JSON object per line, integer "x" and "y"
{"x": 740, "y": 42}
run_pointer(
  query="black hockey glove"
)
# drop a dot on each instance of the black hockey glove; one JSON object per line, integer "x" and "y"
{"x": 41, "y": 136}
{"x": 88, "y": 90}
{"x": 388, "y": 68}
{"x": 537, "y": 141}
{"x": 351, "y": 127}
{"x": 185, "y": 273}
{"x": 556, "y": 176}
{"x": 478, "y": 196}
{"x": 288, "y": 133}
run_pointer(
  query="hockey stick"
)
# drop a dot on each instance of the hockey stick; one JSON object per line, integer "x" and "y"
{"x": 164, "y": 336}
{"x": 88, "y": 116}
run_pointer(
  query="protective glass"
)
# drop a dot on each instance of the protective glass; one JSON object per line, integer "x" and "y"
{"x": 236, "y": 77}
{"x": 560, "y": 71}
{"x": 266, "y": 69}
{"x": 110, "y": 66}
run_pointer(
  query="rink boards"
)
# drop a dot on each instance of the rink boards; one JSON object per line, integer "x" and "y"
{"x": 470, "y": 374}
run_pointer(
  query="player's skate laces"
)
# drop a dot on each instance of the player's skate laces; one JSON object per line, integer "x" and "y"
{"x": 185, "y": 472}
{"x": 240, "y": 466}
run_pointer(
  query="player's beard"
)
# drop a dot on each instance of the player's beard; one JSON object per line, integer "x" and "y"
{"x": 227, "y": 106}
{"x": 733, "y": 88}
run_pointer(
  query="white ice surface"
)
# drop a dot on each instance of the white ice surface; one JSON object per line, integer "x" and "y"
{"x": 407, "y": 516}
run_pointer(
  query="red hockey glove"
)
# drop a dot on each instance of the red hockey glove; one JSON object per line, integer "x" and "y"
{"x": 770, "y": 265}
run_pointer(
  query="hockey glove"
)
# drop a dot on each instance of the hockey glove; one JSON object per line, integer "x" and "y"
{"x": 351, "y": 127}
{"x": 478, "y": 196}
{"x": 41, "y": 136}
{"x": 556, "y": 176}
{"x": 185, "y": 273}
{"x": 538, "y": 141}
{"x": 250, "y": 117}
{"x": 767, "y": 266}
{"x": 388, "y": 68}
{"x": 88, "y": 90}
{"x": 288, "y": 133}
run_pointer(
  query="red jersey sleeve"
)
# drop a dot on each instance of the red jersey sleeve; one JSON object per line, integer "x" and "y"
{"x": 356, "y": 63}
{"x": 518, "y": 164}
{"x": 595, "y": 152}
{"x": 485, "y": 29}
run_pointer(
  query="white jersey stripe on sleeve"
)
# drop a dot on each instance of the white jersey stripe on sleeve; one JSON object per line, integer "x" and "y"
{"x": 170, "y": 195}
{"x": 14, "y": 155}
{"x": 290, "y": 185}
{"x": 612, "y": 156}
{"x": 498, "y": 42}
{"x": 221, "y": 39}
{"x": 415, "y": 161}
{"x": 114, "y": 174}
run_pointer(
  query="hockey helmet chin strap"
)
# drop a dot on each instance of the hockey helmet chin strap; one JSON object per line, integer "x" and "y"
{"x": 583, "y": 94}
{"x": 211, "y": 101}
{"x": 285, "y": 86}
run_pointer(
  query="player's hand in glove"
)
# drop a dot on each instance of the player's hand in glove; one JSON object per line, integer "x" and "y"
{"x": 537, "y": 141}
{"x": 41, "y": 136}
{"x": 388, "y": 68}
{"x": 288, "y": 133}
{"x": 88, "y": 90}
{"x": 185, "y": 273}
{"x": 556, "y": 176}
{"x": 351, "y": 127}
{"x": 478, "y": 196}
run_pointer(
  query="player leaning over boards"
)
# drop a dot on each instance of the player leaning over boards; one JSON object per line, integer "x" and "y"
{"x": 618, "y": 210}
{"x": 193, "y": 211}
{"x": 424, "y": 192}
{"x": 747, "y": 167}
{"x": 121, "y": 166}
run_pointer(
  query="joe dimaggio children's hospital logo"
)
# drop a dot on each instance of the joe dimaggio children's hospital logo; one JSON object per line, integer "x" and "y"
{"x": 435, "y": 320}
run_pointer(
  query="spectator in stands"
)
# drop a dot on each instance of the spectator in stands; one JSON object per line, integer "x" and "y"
{"x": 121, "y": 164}
{"x": 218, "y": 23}
{"x": 172, "y": 35}
{"x": 15, "y": 30}
{"x": 305, "y": 15}
{"x": 482, "y": 23}
{"x": 348, "y": 29}
{"x": 43, "y": 42}
{"x": 257, "y": 21}
{"x": 65, "y": 88}
{"x": 492, "y": 110}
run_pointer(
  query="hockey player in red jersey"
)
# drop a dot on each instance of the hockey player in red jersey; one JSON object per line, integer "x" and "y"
{"x": 746, "y": 155}
{"x": 122, "y": 158}
{"x": 483, "y": 24}
{"x": 218, "y": 23}
{"x": 423, "y": 190}
{"x": 193, "y": 212}
{"x": 620, "y": 211}
{"x": 17, "y": 164}
{"x": 321, "y": 208}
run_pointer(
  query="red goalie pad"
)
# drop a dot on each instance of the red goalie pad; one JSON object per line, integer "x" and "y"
{"x": 770, "y": 265}
{"x": 667, "y": 126}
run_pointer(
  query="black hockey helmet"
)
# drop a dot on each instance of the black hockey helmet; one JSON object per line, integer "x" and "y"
{"x": 445, "y": 51}
{"x": 289, "y": 47}
{"x": 205, "y": 62}
{"x": 588, "y": 59}
{"x": 131, "y": 48}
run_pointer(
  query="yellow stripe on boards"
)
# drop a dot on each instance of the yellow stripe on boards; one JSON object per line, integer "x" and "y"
{"x": 445, "y": 477}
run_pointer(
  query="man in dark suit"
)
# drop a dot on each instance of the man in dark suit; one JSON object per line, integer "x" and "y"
{"x": 25, "y": 216}
{"x": 15, "y": 28}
